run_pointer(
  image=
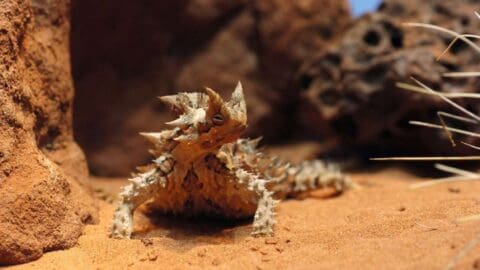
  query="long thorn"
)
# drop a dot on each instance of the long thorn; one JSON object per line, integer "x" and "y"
{"x": 446, "y": 31}
{"x": 441, "y": 115}
{"x": 471, "y": 145}
{"x": 458, "y": 107}
{"x": 454, "y": 130}
{"x": 453, "y": 43}
{"x": 454, "y": 170}
{"x": 448, "y": 158}
{"x": 461, "y": 74}
{"x": 457, "y": 117}
{"x": 421, "y": 90}
{"x": 448, "y": 132}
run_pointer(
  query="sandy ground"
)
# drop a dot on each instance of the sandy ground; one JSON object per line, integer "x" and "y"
{"x": 382, "y": 225}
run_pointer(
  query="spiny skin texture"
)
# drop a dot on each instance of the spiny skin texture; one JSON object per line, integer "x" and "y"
{"x": 202, "y": 167}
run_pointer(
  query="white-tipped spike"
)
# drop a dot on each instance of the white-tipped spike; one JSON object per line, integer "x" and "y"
{"x": 171, "y": 100}
{"x": 238, "y": 99}
{"x": 191, "y": 117}
{"x": 181, "y": 101}
{"x": 238, "y": 88}
{"x": 254, "y": 143}
{"x": 153, "y": 137}
{"x": 181, "y": 121}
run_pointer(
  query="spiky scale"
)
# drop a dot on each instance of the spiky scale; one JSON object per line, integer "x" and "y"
{"x": 202, "y": 167}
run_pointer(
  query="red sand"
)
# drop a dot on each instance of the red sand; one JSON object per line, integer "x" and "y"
{"x": 383, "y": 225}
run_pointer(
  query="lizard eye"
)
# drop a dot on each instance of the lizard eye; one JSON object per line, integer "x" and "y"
{"x": 217, "y": 119}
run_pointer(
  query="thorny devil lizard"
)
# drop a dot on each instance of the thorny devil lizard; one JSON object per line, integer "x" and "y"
{"x": 202, "y": 167}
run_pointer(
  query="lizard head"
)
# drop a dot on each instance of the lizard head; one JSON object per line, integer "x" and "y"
{"x": 205, "y": 121}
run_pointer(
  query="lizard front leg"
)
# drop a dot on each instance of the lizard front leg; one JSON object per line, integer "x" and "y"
{"x": 142, "y": 187}
{"x": 264, "y": 218}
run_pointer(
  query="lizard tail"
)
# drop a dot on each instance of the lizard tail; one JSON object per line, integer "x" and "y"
{"x": 309, "y": 175}
{"x": 284, "y": 179}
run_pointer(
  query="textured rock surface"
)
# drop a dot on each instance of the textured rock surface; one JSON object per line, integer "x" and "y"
{"x": 44, "y": 202}
{"x": 350, "y": 90}
{"x": 142, "y": 49}
{"x": 290, "y": 32}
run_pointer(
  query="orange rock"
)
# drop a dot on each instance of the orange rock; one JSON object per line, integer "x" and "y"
{"x": 44, "y": 197}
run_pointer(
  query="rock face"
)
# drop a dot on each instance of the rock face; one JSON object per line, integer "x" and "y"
{"x": 290, "y": 32}
{"x": 124, "y": 56}
{"x": 44, "y": 199}
{"x": 350, "y": 91}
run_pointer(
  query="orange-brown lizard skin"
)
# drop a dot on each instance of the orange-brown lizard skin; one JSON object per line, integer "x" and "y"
{"x": 202, "y": 167}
